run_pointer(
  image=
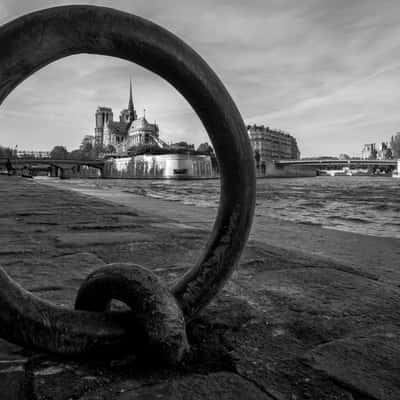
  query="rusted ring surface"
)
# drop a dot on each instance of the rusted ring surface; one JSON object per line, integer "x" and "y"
{"x": 35, "y": 40}
{"x": 155, "y": 312}
{"x": 30, "y": 321}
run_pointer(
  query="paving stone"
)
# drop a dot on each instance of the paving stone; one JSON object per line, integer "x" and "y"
{"x": 99, "y": 238}
{"x": 368, "y": 365}
{"x": 13, "y": 380}
{"x": 57, "y": 381}
{"x": 221, "y": 386}
{"x": 56, "y": 279}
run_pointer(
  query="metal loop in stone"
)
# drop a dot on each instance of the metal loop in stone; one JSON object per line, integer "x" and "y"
{"x": 30, "y": 321}
{"x": 33, "y": 41}
{"x": 154, "y": 309}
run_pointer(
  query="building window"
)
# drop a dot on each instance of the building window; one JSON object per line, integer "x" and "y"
{"x": 180, "y": 171}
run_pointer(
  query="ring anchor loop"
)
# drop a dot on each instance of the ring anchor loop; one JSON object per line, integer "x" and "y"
{"x": 33, "y": 41}
{"x": 155, "y": 310}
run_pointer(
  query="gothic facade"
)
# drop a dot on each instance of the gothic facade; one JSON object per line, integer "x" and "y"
{"x": 127, "y": 132}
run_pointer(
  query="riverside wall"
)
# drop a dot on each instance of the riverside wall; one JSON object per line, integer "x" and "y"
{"x": 287, "y": 171}
{"x": 182, "y": 166}
{"x": 162, "y": 166}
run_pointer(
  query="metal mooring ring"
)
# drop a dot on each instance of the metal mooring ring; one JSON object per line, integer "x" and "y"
{"x": 35, "y": 40}
{"x": 155, "y": 310}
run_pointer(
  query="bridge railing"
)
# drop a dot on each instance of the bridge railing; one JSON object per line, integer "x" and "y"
{"x": 322, "y": 162}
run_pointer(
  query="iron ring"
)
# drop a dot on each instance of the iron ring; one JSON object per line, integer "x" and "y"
{"x": 31, "y": 42}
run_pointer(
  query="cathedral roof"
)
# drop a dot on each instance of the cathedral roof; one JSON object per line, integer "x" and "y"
{"x": 118, "y": 128}
{"x": 141, "y": 124}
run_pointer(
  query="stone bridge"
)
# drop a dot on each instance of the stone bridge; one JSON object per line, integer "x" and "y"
{"x": 324, "y": 163}
{"x": 57, "y": 167}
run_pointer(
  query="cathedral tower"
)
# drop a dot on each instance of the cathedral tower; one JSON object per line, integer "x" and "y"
{"x": 104, "y": 115}
{"x": 131, "y": 109}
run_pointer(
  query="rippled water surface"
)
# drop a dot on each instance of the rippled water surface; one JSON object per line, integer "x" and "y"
{"x": 368, "y": 205}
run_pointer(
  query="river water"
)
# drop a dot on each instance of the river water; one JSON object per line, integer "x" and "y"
{"x": 367, "y": 205}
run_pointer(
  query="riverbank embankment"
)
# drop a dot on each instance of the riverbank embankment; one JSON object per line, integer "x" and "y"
{"x": 309, "y": 314}
{"x": 366, "y": 253}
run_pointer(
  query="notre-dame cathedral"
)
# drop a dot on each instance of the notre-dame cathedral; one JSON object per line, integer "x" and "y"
{"x": 129, "y": 131}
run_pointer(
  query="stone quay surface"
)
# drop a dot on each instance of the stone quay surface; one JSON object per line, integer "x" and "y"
{"x": 309, "y": 313}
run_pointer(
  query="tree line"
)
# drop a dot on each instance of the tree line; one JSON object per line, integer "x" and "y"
{"x": 89, "y": 151}
{"x": 6, "y": 152}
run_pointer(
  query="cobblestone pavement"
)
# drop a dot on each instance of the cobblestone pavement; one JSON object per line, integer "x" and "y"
{"x": 287, "y": 325}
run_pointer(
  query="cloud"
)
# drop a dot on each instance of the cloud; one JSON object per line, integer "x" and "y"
{"x": 324, "y": 70}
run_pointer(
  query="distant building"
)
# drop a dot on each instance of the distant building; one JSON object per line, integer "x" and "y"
{"x": 134, "y": 148}
{"x": 270, "y": 144}
{"x": 368, "y": 152}
{"x": 384, "y": 151}
{"x": 371, "y": 151}
{"x": 128, "y": 132}
{"x": 395, "y": 145}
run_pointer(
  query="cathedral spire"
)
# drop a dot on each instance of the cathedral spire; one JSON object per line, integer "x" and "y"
{"x": 131, "y": 109}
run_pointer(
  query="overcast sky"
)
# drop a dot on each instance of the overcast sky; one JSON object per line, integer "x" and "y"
{"x": 326, "y": 71}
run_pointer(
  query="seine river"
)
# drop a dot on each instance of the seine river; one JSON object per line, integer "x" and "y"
{"x": 368, "y": 205}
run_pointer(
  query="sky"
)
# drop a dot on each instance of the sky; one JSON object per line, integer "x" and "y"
{"x": 325, "y": 71}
